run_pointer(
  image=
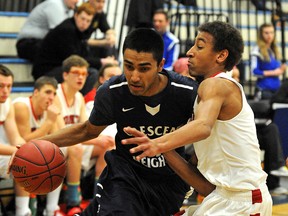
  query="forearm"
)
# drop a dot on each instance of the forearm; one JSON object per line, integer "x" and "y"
{"x": 183, "y": 136}
{"x": 96, "y": 42}
{"x": 7, "y": 149}
{"x": 189, "y": 173}
{"x": 68, "y": 136}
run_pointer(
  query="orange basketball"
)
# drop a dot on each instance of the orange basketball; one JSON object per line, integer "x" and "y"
{"x": 39, "y": 166}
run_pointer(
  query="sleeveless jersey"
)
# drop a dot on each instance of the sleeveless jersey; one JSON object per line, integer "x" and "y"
{"x": 4, "y": 110}
{"x": 34, "y": 122}
{"x": 155, "y": 116}
{"x": 71, "y": 114}
{"x": 230, "y": 156}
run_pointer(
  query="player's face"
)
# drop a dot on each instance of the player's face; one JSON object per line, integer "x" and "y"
{"x": 202, "y": 58}
{"x": 76, "y": 77}
{"x": 160, "y": 23}
{"x": 83, "y": 21}
{"x": 98, "y": 5}
{"x": 110, "y": 72}
{"x": 45, "y": 96}
{"x": 5, "y": 87}
{"x": 71, "y": 4}
{"x": 268, "y": 34}
{"x": 141, "y": 71}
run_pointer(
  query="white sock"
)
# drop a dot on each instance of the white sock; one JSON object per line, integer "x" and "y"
{"x": 53, "y": 200}
{"x": 22, "y": 205}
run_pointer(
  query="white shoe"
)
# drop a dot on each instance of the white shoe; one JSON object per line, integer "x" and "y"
{"x": 279, "y": 191}
{"x": 282, "y": 171}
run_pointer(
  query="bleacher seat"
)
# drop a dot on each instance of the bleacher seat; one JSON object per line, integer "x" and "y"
{"x": 11, "y": 23}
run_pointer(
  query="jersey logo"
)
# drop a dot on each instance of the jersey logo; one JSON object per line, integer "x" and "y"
{"x": 152, "y": 110}
{"x": 128, "y": 109}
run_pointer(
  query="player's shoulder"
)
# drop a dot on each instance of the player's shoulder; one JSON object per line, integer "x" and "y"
{"x": 178, "y": 80}
{"x": 20, "y": 99}
{"x": 116, "y": 82}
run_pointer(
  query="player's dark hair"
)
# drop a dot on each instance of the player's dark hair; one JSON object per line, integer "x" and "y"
{"x": 45, "y": 80}
{"x": 145, "y": 40}
{"x": 225, "y": 36}
{"x": 6, "y": 71}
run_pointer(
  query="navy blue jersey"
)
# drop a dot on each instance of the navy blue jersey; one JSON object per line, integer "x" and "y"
{"x": 155, "y": 115}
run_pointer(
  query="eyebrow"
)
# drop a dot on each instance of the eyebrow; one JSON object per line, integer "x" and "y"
{"x": 141, "y": 64}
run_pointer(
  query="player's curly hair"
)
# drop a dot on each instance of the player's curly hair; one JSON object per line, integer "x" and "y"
{"x": 225, "y": 36}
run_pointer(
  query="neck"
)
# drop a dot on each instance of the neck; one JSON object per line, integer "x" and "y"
{"x": 69, "y": 94}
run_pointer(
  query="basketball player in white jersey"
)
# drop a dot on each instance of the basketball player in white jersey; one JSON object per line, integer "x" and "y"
{"x": 73, "y": 110}
{"x": 10, "y": 138}
{"x": 37, "y": 116}
{"x": 223, "y": 130}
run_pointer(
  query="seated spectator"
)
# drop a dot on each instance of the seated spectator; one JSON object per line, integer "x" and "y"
{"x": 281, "y": 96}
{"x": 9, "y": 138}
{"x": 37, "y": 116}
{"x": 106, "y": 46}
{"x": 269, "y": 140}
{"x": 105, "y": 73}
{"x": 108, "y": 134}
{"x": 45, "y": 16}
{"x": 171, "y": 42}
{"x": 72, "y": 106}
{"x": 265, "y": 63}
{"x": 64, "y": 40}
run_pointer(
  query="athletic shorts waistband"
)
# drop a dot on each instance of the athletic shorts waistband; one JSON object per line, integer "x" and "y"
{"x": 254, "y": 196}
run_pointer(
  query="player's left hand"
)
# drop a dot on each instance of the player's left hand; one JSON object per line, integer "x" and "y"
{"x": 148, "y": 147}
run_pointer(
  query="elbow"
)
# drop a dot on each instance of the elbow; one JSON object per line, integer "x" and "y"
{"x": 205, "y": 132}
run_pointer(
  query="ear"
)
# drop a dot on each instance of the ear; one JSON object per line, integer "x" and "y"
{"x": 35, "y": 92}
{"x": 222, "y": 56}
{"x": 64, "y": 75}
{"x": 161, "y": 65}
{"x": 101, "y": 80}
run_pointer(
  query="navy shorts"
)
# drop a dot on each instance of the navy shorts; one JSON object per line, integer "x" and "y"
{"x": 121, "y": 191}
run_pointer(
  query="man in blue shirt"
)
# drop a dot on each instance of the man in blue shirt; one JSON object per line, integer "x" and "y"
{"x": 171, "y": 42}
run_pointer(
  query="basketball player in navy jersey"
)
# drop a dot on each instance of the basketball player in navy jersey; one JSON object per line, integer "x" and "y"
{"x": 154, "y": 101}
{"x": 223, "y": 132}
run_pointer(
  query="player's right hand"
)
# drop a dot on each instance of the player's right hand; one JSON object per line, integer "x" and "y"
{"x": 52, "y": 112}
{"x": 12, "y": 158}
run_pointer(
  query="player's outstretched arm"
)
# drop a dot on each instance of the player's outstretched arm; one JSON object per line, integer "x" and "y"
{"x": 74, "y": 134}
{"x": 212, "y": 96}
{"x": 189, "y": 173}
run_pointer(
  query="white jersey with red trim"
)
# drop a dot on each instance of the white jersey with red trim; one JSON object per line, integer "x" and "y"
{"x": 34, "y": 122}
{"x": 4, "y": 110}
{"x": 71, "y": 114}
{"x": 230, "y": 156}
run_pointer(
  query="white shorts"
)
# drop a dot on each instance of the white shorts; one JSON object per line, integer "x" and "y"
{"x": 64, "y": 151}
{"x": 87, "y": 162}
{"x": 4, "y": 162}
{"x": 223, "y": 202}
